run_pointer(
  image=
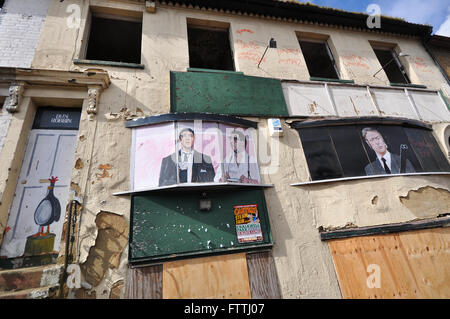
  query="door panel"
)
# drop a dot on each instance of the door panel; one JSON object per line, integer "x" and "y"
{"x": 48, "y": 153}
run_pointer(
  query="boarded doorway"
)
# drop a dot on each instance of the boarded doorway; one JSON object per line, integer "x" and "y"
{"x": 37, "y": 212}
{"x": 404, "y": 265}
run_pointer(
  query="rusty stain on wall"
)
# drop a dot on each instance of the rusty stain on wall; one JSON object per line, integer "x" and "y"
{"x": 112, "y": 238}
{"x": 427, "y": 199}
{"x": 105, "y": 168}
{"x": 354, "y": 106}
{"x": 312, "y": 107}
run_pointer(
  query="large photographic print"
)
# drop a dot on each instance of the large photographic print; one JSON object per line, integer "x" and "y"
{"x": 152, "y": 144}
{"x": 389, "y": 151}
{"x": 342, "y": 151}
{"x": 239, "y": 159}
{"x": 187, "y": 152}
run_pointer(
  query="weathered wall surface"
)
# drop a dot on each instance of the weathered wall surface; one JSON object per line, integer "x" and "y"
{"x": 442, "y": 56}
{"x": 304, "y": 265}
{"x": 20, "y": 27}
{"x": 5, "y": 120}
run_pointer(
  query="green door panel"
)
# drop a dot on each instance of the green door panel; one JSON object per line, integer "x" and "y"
{"x": 170, "y": 224}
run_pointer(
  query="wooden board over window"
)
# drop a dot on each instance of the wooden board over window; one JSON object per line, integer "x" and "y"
{"x": 408, "y": 265}
{"x": 219, "y": 277}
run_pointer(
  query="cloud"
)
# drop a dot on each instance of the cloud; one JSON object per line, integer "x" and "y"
{"x": 416, "y": 11}
{"x": 444, "y": 29}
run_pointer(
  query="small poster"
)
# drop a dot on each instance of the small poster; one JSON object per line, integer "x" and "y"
{"x": 248, "y": 228}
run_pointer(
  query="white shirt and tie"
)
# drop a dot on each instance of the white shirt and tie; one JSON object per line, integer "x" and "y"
{"x": 387, "y": 160}
{"x": 185, "y": 162}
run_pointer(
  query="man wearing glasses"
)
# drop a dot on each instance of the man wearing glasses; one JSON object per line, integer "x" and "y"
{"x": 386, "y": 162}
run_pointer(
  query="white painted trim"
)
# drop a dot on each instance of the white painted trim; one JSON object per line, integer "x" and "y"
{"x": 366, "y": 177}
{"x": 192, "y": 186}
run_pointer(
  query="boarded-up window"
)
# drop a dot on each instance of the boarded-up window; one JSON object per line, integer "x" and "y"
{"x": 405, "y": 265}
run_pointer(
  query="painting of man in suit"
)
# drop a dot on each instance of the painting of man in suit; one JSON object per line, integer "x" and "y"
{"x": 192, "y": 166}
{"x": 386, "y": 161}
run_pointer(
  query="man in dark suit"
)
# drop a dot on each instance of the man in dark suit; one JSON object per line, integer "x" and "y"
{"x": 193, "y": 167}
{"x": 386, "y": 162}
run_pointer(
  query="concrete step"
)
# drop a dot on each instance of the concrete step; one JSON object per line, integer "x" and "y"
{"x": 29, "y": 278}
{"x": 33, "y": 293}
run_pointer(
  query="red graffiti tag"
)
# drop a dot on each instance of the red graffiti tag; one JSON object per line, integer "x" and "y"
{"x": 244, "y": 30}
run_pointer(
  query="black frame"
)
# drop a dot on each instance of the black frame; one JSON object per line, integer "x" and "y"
{"x": 336, "y": 149}
{"x": 171, "y": 117}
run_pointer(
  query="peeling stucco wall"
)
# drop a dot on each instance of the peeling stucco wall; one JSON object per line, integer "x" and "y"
{"x": 105, "y": 256}
{"x": 304, "y": 265}
{"x": 427, "y": 200}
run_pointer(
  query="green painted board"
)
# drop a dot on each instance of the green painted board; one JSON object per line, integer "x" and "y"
{"x": 226, "y": 93}
{"x": 167, "y": 225}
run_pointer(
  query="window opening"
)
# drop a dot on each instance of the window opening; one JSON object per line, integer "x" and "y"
{"x": 209, "y": 48}
{"x": 392, "y": 66}
{"x": 114, "y": 40}
{"x": 319, "y": 59}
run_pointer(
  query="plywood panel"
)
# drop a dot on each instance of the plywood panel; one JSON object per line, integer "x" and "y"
{"x": 394, "y": 103}
{"x": 307, "y": 99}
{"x": 410, "y": 265}
{"x": 353, "y": 101}
{"x": 218, "y": 277}
{"x": 144, "y": 283}
{"x": 263, "y": 276}
{"x": 430, "y": 106}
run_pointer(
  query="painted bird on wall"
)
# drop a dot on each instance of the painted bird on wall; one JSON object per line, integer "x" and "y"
{"x": 48, "y": 210}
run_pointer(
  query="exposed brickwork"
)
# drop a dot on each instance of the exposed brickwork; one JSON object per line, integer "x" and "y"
{"x": 20, "y": 28}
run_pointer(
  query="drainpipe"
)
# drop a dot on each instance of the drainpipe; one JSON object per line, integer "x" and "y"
{"x": 69, "y": 242}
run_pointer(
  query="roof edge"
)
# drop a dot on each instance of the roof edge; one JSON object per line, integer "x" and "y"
{"x": 305, "y": 12}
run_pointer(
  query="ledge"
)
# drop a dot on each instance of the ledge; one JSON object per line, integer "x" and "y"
{"x": 359, "y": 121}
{"x": 343, "y": 179}
{"x": 110, "y": 63}
{"x": 214, "y": 71}
{"x": 87, "y": 78}
{"x": 157, "y": 260}
{"x": 193, "y": 187}
{"x": 385, "y": 229}
{"x": 172, "y": 117}
{"x": 313, "y": 78}
{"x": 415, "y": 86}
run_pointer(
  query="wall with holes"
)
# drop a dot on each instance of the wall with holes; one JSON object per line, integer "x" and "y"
{"x": 304, "y": 265}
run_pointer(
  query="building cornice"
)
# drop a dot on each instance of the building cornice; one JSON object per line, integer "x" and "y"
{"x": 294, "y": 12}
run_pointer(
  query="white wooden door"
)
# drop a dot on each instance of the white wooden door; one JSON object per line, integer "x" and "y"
{"x": 48, "y": 153}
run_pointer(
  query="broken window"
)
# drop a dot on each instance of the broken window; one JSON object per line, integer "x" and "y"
{"x": 394, "y": 69}
{"x": 116, "y": 40}
{"x": 319, "y": 59}
{"x": 209, "y": 48}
